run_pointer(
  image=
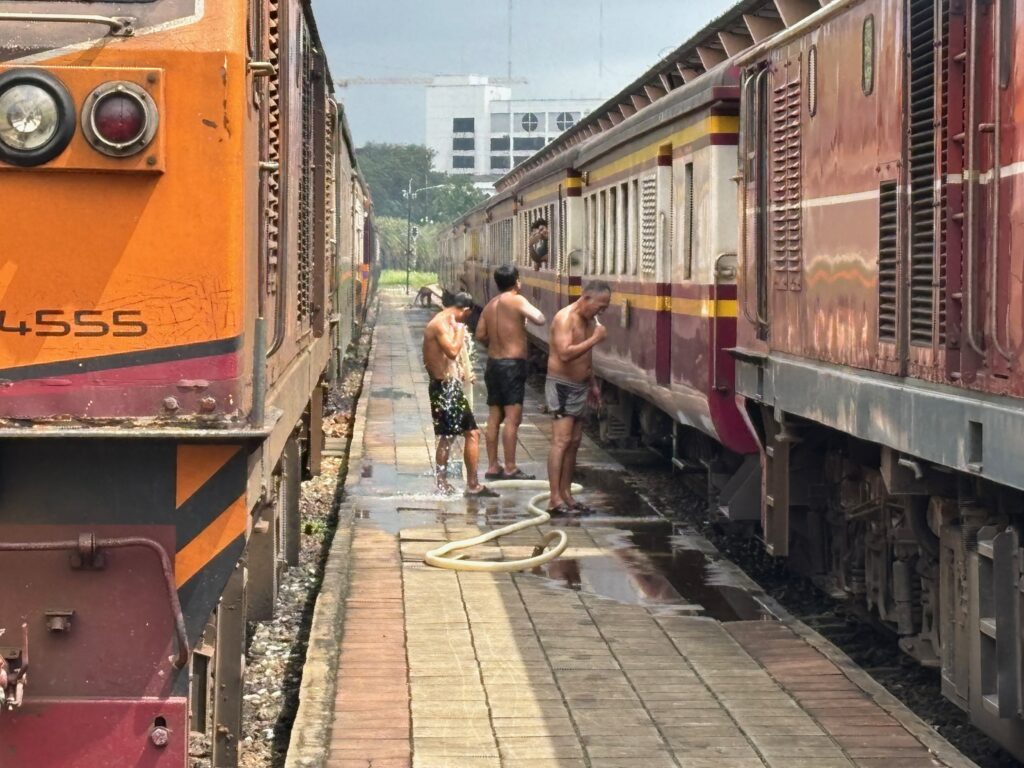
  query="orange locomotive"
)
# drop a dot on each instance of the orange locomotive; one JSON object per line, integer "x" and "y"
{"x": 187, "y": 247}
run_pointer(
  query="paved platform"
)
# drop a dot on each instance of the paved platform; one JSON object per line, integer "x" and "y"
{"x": 604, "y": 666}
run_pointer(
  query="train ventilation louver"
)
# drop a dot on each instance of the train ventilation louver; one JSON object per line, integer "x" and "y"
{"x": 648, "y": 225}
{"x": 787, "y": 191}
{"x": 888, "y": 258}
{"x": 921, "y": 164}
{"x": 943, "y": 174}
{"x": 306, "y": 199}
{"x": 273, "y": 204}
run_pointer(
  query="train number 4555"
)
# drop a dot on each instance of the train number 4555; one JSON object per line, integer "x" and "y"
{"x": 78, "y": 322}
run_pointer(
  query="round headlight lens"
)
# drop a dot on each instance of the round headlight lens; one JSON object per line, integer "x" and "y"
{"x": 29, "y": 117}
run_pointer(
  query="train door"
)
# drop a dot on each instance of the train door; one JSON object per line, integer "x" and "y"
{"x": 663, "y": 270}
{"x": 568, "y": 268}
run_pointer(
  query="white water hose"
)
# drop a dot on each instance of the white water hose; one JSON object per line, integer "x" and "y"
{"x": 542, "y": 553}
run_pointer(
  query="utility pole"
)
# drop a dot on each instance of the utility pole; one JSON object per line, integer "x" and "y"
{"x": 408, "y": 238}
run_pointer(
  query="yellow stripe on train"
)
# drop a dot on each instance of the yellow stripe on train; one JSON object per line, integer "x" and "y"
{"x": 674, "y": 304}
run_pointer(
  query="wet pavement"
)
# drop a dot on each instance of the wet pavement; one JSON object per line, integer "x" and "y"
{"x": 640, "y": 645}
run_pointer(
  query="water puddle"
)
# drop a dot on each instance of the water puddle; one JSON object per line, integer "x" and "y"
{"x": 625, "y": 551}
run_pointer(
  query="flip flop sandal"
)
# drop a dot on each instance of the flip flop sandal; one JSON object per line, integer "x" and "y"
{"x": 518, "y": 475}
{"x": 579, "y": 506}
{"x": 483, "y": 493}
{"x": 496, "y": 475}
{"x": 561, "y": 509}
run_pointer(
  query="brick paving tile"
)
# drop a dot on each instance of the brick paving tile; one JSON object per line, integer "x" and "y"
{"x": 442, "y": 669}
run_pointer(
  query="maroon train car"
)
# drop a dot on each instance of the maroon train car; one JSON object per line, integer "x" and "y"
{"x": 882, "y": 322}
{"x": 648, "y": 206}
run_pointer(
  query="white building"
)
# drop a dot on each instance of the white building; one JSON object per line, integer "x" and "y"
{"x": 476, "y": 128}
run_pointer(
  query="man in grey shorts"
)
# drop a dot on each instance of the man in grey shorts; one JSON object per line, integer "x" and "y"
{"x": 571, "y": 389}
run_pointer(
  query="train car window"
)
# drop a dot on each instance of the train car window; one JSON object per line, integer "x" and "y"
{"x": 688, "y": 222}
{"x": 613, "y": 230}
{"x": 867, "y": 78}
{"x": 626, "y": 244}
{"x": 591, "y": 233}
{"x": 812, "y": 81}
{"x": 602, "y": 236}
{"x": 635, "y": 216}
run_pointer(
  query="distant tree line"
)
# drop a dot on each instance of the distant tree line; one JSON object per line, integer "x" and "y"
{"x": 387, "y": 169}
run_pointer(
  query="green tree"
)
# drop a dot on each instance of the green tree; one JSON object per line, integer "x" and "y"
{"x": 388, "y": 168}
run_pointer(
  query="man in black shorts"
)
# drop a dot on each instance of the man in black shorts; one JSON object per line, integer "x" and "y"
{"x": 502, "y": 328}
{"x": 442, "y": 342}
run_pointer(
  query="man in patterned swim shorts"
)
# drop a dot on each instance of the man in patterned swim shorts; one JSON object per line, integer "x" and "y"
{"x": 442, "y": 341}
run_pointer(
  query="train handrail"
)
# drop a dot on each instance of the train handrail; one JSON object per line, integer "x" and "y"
{"x": 87, "y": 542}
{"x": 744, "y": 249}
{"x": 119, "y": 26}
{"x": 971, "y": 177}
{"x": 997, "y": 124}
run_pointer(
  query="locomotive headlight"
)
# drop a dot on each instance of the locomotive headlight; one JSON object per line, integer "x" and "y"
{"x": 119, "y": 119}
{"x": 37, "y": 117}
{"x": 28, "y": 117}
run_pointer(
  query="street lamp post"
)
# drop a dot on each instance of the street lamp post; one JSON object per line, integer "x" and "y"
{"x": 408, "y": 237}
{"x": 409, "y": 195}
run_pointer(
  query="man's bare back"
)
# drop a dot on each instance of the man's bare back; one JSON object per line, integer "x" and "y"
{"x": 502, "y": 325}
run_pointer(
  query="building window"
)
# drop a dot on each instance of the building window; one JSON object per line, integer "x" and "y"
{"x": 499, "y": 144}
{"x": 500, "y": 122}
{"x": 565, "y": 120}
{"x": 500, "y": 162}
{"x": 529, "y": 122}
{"x": 533, "y": 142}
{"x": 520, "y": 159}
{"x": 463, "y": 125}
{"x": 462, "y": 144}
{"x": 463, "y": 161}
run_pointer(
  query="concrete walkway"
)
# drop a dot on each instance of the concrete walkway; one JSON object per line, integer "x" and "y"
{"x": 436, "y": 668}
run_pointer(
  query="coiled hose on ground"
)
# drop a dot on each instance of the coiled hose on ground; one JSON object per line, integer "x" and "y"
{"x": 542, "y": 553}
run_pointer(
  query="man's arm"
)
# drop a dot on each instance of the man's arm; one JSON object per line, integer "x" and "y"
{"x": 450, "y": 339}
{"x": 530, "y": 312}
{"x": 481, "y": 328}
{"x": 561, "y": 341}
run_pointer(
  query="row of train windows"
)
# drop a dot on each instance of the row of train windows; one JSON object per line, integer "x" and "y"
{"x": 621, "y": 227}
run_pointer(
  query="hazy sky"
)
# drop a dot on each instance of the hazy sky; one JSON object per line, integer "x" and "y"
{"x": 555, "y": 46}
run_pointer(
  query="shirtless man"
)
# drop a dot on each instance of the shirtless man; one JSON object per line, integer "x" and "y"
{"x": 502, "y": 328}
{"x": 442, "y": 341}
{"x": 571, "y": 389}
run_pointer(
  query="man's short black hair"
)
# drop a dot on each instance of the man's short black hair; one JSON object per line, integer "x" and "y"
{"x": 462, "y": 300}
{"x": 538, "y": 224}
{"x": 505, "y": 277}
{"x": 597, "y": 286}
